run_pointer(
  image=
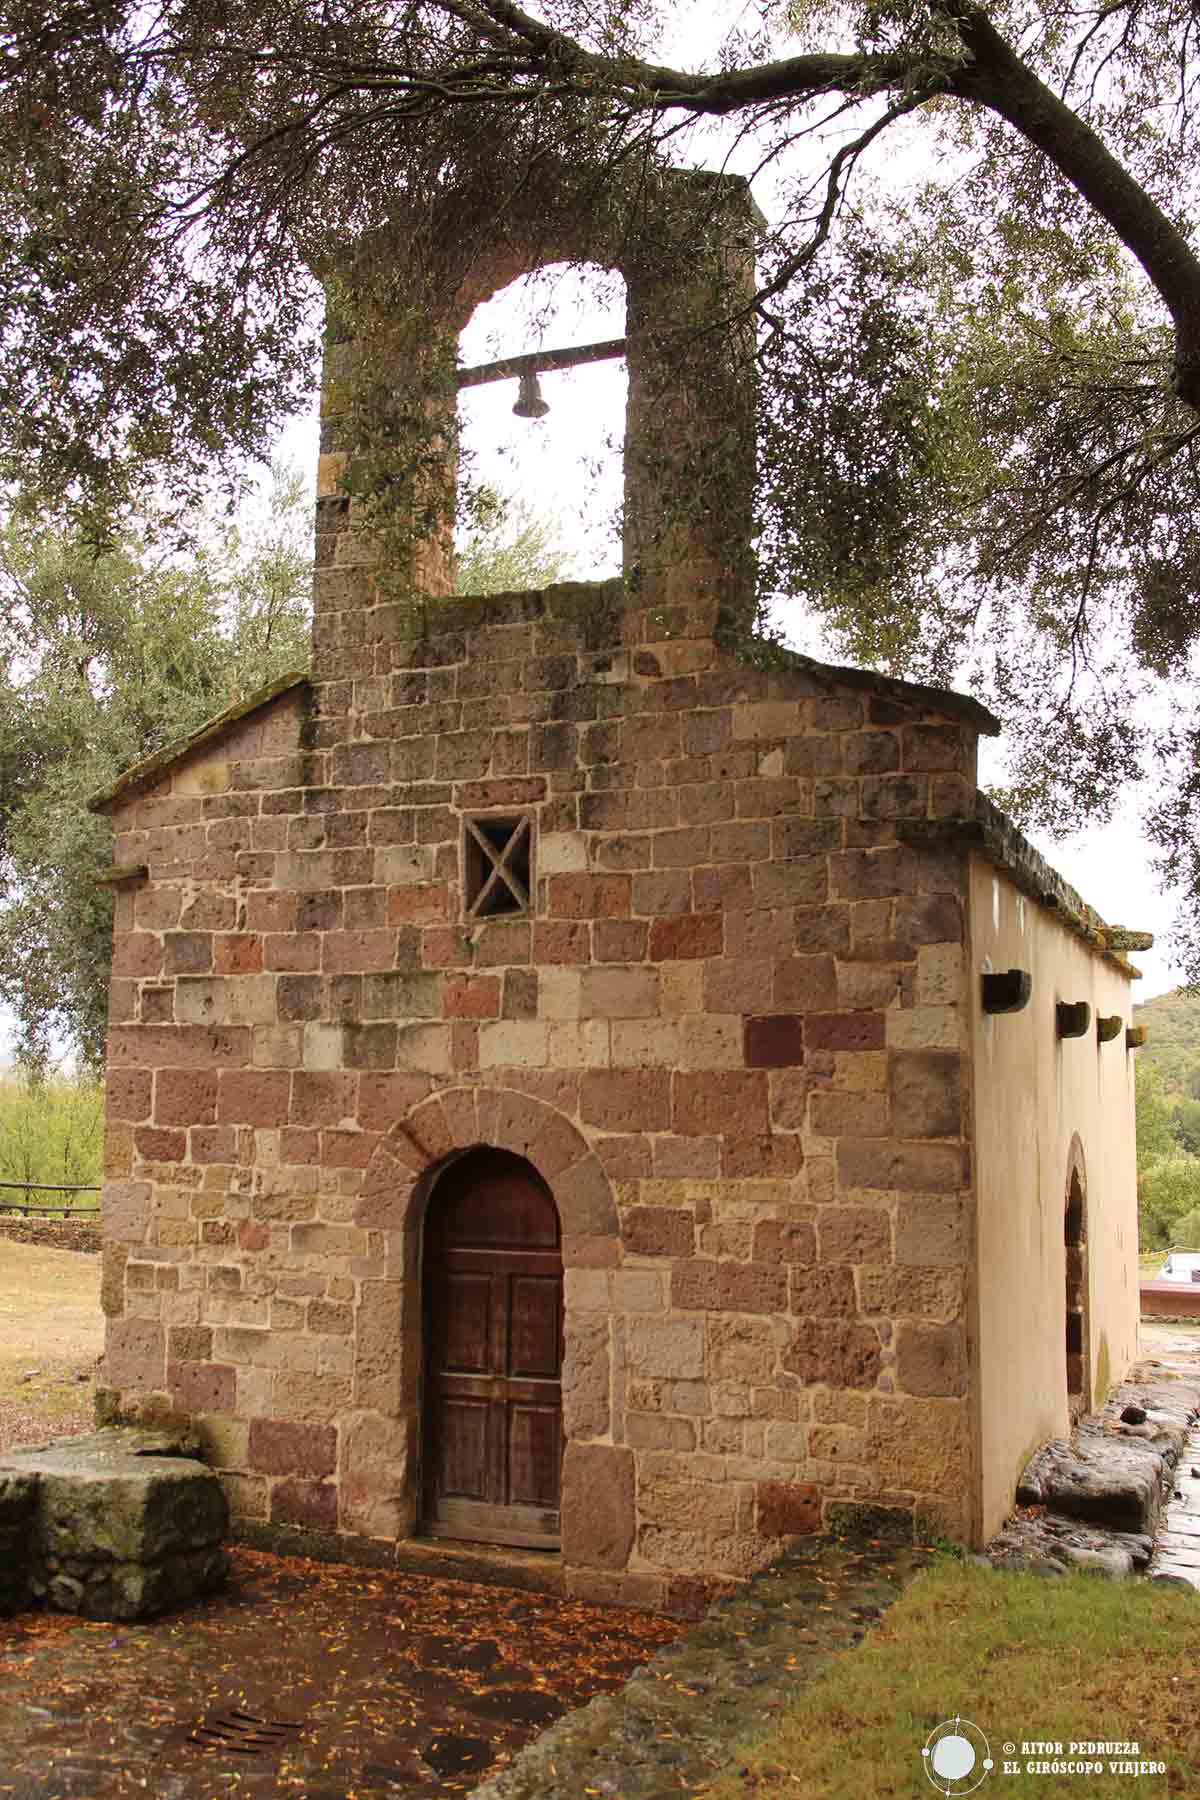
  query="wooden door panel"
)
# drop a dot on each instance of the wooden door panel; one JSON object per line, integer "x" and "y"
{"x": 461, "y": 1448}
{"x": 535, "y": 1326}
{"x": 493, "y": 1308}
{"x": 534, "y": 1455}
{"x": 465, "y": 1323}
{"x": 492, "y": 1199}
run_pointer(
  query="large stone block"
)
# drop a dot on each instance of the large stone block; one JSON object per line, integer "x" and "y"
{"x": 112, "y": 1279}
{"x": 659, "y": 1231}
{"x": 598, "y": 1519}
{"x": 774, "y": 1042}
{"x": 854, "y": 1234}
{"x": 684, "y": 1504}
{"x": 667, "y": 1347}
{"x": 919, "y": 1445}
{"x": 202, "y": 1386}
{"x": 311, "y": 1504}
{"x": 881, "y": 1163}
{"x": 125, "y": 1211}
{"x": 931, "y": 1359}
{"x": 119, "y": 1526}
{"x": 741, "y": 1349}
{"x": 586, "y": 1376}
{"x": 619, "y": 993}
{"x": 701, "y": 1285}
{"x": 926, "y": 1093}
{"x": 626, "y": 1099}
{"x": 826, "y": 1292}
{"x": 787, "y": 1509}
{"x": 373, "y": 1474}
{"x": 723, "y": 1101}
{"x": 585, "y": 1200}
{"x": 135, "y": 1353}
{"x": 281, "y": 1447}
{"x": 838, "y": 1352}
{"x": 931, "y": 1232}
{"x": 935, "y": 1294}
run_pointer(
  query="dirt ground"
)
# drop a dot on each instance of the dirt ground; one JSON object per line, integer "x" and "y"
{"x": 51, "y": 1333}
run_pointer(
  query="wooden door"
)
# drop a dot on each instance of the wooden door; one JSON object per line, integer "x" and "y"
{"x": 494, "y": 1334}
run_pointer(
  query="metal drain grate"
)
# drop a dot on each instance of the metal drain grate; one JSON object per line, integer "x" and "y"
{"x": 246, "y": 1733}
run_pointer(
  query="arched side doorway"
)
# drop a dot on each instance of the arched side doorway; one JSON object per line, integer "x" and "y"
{"x": 492, "y": 1280}
{"x": 1075, "y": 1251}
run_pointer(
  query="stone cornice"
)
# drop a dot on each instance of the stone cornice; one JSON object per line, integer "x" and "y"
{"x": 993, "y": 834}
{"x": 152, "y": 768}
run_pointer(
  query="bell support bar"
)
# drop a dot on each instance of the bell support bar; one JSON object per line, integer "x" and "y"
{"x": 538, "y": 361}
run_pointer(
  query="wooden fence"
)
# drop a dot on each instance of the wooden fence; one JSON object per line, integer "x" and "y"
{"x": 45, "y": 1209}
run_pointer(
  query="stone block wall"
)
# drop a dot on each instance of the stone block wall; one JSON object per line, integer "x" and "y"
{"x": 731, "y": 1033}
{"x": 60, "y": 1234}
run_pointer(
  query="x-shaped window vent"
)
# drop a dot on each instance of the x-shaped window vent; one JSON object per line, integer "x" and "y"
{"x": 497, "y": 873}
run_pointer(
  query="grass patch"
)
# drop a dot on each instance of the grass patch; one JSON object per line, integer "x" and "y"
{"x": 1023, "y": 1658}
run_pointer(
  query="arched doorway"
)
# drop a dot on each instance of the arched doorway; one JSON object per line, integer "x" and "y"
{"x": 493, "y": 1301}
{"x": 1075, "y": 1250}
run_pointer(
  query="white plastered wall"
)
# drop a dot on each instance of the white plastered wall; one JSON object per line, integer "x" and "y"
{"x": 1033, "y": 1093}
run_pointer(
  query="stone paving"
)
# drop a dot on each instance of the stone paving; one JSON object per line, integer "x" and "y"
{"x": 676, "y": 1722}
{"x": 367, "y": 1682}
{"x": 1177, "y": 1550}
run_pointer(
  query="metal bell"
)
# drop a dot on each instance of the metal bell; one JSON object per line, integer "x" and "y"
{"x": 530, "y": 404}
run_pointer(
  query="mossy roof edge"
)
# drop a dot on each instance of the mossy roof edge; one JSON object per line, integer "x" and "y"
{"x": 892, "y": 687}
{"x": 153, "y": 767}
{"x": 1002, "y": 843}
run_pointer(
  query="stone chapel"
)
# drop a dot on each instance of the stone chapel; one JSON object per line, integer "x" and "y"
{"x": 575, "y": 1091}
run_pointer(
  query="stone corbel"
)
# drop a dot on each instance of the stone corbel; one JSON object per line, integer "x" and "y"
{"x": 1072, "y": 1018}
{"x": 120, "y": 872}
{"x": 1007, "y": 991}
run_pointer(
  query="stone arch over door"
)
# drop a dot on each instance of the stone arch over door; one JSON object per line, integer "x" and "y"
{"x": 1077, "y": 1297}
{"x": 390, "y": 1338}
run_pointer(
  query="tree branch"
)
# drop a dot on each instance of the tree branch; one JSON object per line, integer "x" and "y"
{"x": 998, "y": 79}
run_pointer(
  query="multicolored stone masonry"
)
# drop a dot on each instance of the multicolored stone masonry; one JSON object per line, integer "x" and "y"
{"x": 729, "y": 1033}
{"x": 731, "y": 1024}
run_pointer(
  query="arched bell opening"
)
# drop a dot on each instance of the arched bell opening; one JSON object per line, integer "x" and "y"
{"x": 1076, "y": 1300}
{"x": 547, "y": 441}
{"x": 492, "y": 1298}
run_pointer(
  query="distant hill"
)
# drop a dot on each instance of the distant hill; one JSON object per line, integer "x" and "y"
{"x": 1172, "y": 1047}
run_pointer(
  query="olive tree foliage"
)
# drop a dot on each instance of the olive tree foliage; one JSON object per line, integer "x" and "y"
{"x": 980, "y": 413}
{"x": 104, "y": 659}
{"x": 506, "y": 547}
